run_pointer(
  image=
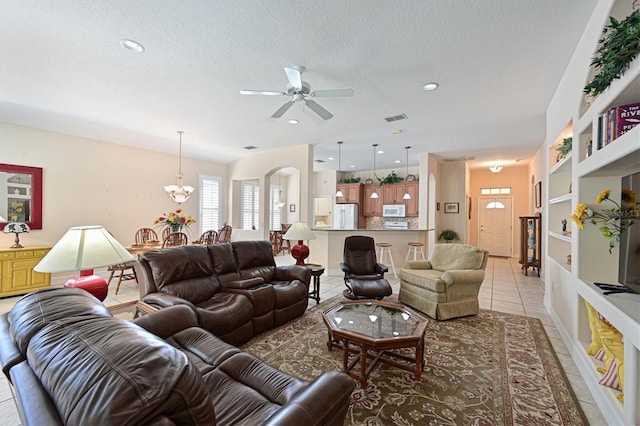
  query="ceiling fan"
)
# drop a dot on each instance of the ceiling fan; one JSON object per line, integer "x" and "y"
{"x": 300, "y": 91}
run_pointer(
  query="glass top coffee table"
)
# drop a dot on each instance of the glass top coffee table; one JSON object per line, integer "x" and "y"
{"x": 372, "y": 329}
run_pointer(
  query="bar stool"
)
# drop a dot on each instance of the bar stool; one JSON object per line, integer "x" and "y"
{"x": 385, "y": 248}
{"x": 415, "y": 248}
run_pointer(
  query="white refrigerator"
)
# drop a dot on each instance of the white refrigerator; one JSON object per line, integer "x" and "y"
{"x": 345, "y": 216}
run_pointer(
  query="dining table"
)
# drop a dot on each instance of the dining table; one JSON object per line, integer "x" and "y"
{"x": 138, "y": 249}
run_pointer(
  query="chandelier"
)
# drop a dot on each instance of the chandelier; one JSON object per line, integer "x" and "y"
{"x": 179, "y": 193}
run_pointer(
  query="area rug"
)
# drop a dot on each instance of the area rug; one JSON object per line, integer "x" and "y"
{"x": 490, "y": 369}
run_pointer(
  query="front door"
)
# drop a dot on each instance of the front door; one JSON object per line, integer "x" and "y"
{"x": 496, "y": 225}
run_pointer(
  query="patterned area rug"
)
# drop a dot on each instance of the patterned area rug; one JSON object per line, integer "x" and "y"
{"x": 490, "y": 369}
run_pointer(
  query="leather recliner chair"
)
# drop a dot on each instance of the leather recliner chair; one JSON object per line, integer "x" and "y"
{"x": 363, "y": 275}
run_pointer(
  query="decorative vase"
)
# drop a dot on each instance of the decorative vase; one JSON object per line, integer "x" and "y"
{"x": 175, "y": 228}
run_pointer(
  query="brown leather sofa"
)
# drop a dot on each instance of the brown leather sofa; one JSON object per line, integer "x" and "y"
{"x": 236, "y": 289}
{"x": 70, "y": 362}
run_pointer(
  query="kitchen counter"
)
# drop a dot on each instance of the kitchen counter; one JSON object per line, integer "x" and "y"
{"x": 328, "y": 247}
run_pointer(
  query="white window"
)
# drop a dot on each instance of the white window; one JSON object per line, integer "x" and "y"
{"x": 275, "y": 216}
{"x": 495, "y": 191}
{"x": 210, "y": 202}
{"x": 495, "y": 205}
{"x": 250, "y": 204}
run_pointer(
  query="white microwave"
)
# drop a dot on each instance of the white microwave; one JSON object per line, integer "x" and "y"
{"x": 393, "y": 210}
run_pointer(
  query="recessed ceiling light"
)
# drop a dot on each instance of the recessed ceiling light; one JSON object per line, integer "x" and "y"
{"x": 380, "y": 151}
{"x": 293, "y": 121}
{"x": 397, "y": 132}
{"x": 331, "y": 158}
{"x": 397, "y": 161}
{"x": 132, "y": 46}
{"x": 430, "y": 86}
{"x": 352, "y": 166}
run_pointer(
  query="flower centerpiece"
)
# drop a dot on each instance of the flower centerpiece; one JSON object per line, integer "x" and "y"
{"x": 613, "y": 221}
{"x": 176, "y": 220}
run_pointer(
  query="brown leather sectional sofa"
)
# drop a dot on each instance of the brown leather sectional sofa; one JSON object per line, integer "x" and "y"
{"x": 71, "y": 362}
{"x": 236, "y": 289}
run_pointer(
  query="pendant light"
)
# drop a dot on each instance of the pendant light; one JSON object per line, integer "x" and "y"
{"x": 495, "y": 168}
{"x": 280, "y": 203}
{"x": 339, "y": 192}
{"x": 374, "y": 194}
{"x": 179, "y": 193}
{"x": 406, "y": 195}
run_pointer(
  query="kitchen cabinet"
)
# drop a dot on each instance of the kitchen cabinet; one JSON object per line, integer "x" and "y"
{"x": 352, "y": 193}
{"x": 16, "y": 270}
{"x": 372, "y": 206}
{"x": 412, "y": 204}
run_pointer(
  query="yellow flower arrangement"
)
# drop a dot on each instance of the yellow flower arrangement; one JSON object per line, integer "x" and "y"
{"x": 176, "y": 218}
{"x": 613, "y": 221}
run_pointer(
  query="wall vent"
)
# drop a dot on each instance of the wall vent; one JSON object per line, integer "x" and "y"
{"x": 456, "y": 159}
{"x": 250, "y": 147}
{"x": 319, "y": 161}
{"x": 402, "y": 116}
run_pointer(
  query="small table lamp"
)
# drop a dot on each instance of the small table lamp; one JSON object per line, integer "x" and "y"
{"x": 83, "y": 248}
{"x": 299, "y": 231}
{"x": 16, "y": 228}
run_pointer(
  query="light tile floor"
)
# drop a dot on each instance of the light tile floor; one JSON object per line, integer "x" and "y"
{"x": 505, "y": 289}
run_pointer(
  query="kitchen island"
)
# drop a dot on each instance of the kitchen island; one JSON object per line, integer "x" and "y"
{"x": 327, "y": 248}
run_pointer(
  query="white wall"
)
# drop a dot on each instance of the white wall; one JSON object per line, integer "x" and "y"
{"x": 90, "y": 182}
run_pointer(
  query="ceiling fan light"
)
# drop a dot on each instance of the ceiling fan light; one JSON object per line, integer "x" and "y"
{"x": 406, "y": 196}
{"x": 374, "y": 194}
{"x": 495, "y": 168}
{"x": 339, "y": 194}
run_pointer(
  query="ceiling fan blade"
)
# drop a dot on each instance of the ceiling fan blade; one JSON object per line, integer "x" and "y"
{"x": 332, "y": 92}
{"x": 315, "y": 107}
{"x": 295, "y": 79}
{"x": 282, "y": 110}
{"x": 262, "y": 93}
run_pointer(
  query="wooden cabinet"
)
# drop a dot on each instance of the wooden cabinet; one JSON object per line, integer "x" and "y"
{"x": 393, "y": 193}
{"x": 352, "y": 193}
{"x": 530, "y": 234}
{"x": 412, "y": 204}
{"x": 16, "y": 270}
{"x": 372, "y": 206}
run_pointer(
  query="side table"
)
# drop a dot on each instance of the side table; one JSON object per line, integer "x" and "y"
{"x": 316, "y": 272}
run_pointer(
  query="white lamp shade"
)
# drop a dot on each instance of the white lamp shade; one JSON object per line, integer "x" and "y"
{"x": 299, "y": 231}
{"x": 84, "y": 247}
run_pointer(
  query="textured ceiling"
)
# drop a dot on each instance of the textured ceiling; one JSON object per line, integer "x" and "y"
{"x": 498, "y": 63}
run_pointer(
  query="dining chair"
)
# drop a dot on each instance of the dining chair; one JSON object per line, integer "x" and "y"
{"x": 285, "y": 245}
{"x": 165, "y": 232}
{"x": 145, "y": 234}
{"x": 125, "y": 271}
{"x": 208, "y": 237}
{"x": 175, "y": 239}
{"x": 224, "y": 234}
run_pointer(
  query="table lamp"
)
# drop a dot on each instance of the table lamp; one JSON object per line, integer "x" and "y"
{"x": 299, "y": 231}
{"x": 84, "y": 248}
{"x": 16, "y": 228}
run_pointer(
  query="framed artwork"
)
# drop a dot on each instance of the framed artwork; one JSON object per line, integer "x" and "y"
{"x": 452, "y": 207}
{"x": 292, "y": 208}
{"x": 538, "y": 194}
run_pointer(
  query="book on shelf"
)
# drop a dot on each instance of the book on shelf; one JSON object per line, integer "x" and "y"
{"x": 617, "y": 121}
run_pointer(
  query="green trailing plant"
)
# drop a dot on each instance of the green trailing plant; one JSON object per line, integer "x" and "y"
{"x": 448, "y": 235}
{"x": 565, "y": 148}
{"x": 350, "y": 179}
{"x": 619, "y": 46}
{"x": 390, "y": 178}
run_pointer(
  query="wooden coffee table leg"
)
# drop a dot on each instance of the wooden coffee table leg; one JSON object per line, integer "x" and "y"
{"x": 345, "y": 355}
{"x": 363, "y": 366}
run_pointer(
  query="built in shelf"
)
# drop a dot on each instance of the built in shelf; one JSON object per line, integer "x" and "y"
{"x": 561, "y": 199}
{"x": 563, "y": 165}
{"x": 559, "y": 236}
{"x": 620, "y": 157}
{"x": 560, "y": 262}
